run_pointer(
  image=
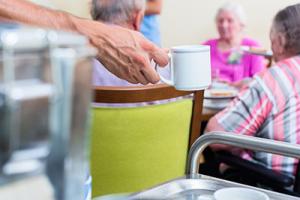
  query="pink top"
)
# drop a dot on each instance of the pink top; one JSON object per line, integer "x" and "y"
{"x": 235, "y": 65}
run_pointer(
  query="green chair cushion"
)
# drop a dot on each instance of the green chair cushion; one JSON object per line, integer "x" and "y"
{"x": 136, "y": 148}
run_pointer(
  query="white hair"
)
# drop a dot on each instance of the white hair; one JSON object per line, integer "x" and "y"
{"x": 116, "y": 11}
{"x": 236, "y": 9}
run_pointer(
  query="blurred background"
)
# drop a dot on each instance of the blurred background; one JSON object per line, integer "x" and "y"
{"x": 192, "y": 21}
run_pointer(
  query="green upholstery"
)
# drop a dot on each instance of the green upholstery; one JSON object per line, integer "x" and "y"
{"x": 136, "y": 148}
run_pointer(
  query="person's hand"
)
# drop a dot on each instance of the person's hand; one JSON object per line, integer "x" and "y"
{"x": 125, "y": 53}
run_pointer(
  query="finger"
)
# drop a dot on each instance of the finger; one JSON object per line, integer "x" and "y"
{"x": 160, "y": 56}
{"x": 143, "y": 65}
{"x": 166, "y": 50}
{"x": 130, "y": 76}
{"x": 141, "y": 78}
{"x": 149, "y": 71}
{"x": 132, "y": 80}
{"x": 150, "y": 74}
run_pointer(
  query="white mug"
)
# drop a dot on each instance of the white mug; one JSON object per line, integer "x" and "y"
{"x": 190, "y": 67}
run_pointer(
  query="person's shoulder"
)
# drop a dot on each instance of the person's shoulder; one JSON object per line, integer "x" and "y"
{"x": 266, "y": 72}
{"x": 268, "y": 78}
{"x": 292, "y": 61}
{"x": 250, "y": 42}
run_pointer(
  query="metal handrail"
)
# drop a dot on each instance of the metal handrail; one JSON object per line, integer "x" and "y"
{"x": 242, "y": 141}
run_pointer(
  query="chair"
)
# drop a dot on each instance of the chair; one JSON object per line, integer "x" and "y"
{"x": 256, "y": 174}
{"x": 139, "y": 147}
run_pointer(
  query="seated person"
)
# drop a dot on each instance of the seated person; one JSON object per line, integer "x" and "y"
{"x": 269, "y": 107}
{"x": 126, "y": 13}
{"x": 229, "y": 62}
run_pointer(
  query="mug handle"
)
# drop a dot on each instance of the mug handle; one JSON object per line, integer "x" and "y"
{"x": 165, "y": 80}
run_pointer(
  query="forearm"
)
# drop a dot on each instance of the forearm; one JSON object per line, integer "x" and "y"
{"x": 213, "y": 125}
{"x": 23, "y": 11}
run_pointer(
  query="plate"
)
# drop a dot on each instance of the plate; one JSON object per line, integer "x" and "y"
{"x": 220, "y": 93}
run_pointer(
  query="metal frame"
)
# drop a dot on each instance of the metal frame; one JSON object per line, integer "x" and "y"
{"x": 242, "y": 141}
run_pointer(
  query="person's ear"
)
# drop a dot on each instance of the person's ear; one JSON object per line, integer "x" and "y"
{"x": 281, "y": 43}
{"x": 138, "y": 20}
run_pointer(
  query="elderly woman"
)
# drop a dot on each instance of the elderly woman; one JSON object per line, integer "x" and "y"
{"x": 229, "y": 62}
{"x": 270, "y": 105}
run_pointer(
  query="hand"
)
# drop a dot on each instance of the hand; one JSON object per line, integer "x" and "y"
{"x": 125, "y": 53}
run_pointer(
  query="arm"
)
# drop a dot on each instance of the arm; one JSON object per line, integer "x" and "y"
{"x": 213, "y": 125}
{"x": 29, "y": 13}
{"x": 123, "y": 52}
{"x": 153, "y": 7}
{"x": 245, "y": 115}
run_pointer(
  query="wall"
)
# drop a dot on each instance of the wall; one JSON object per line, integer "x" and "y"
{"x": 192, "y": 21}
{"x": 77, "y": 7}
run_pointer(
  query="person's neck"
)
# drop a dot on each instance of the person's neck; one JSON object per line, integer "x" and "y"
{"x": 127, "y": 25}
{"x": 227, "y": 44}
{"x": 283, "y": 57}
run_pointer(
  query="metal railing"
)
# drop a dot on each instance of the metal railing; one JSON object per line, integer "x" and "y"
{"x": 242, "y": 141}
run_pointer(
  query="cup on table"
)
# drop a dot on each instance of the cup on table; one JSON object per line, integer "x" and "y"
{"x": 239, "y": 193}
{"x": 190, "y": 67}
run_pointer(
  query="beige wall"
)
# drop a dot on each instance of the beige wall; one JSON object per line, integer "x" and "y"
{"x": 77, "y": 7}
{"x": 192, "y": 21}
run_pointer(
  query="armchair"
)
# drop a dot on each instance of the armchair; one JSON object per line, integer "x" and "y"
{"x": 133, "y": 148}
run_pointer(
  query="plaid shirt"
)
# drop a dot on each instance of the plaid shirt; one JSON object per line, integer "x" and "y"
{"x": 268, "y": 108}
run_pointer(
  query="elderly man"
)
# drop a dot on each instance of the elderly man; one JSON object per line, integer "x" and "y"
{"x": 126, "y": 13}
{"x": 270, "y": 106}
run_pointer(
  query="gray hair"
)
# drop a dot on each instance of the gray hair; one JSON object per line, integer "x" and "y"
{"x": 287, "y": 22}
{"x": 116, "y": 11}
{"x": 236, "y": 9}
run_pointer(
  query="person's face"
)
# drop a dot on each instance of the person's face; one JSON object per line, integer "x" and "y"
{"x": 228, "y": 25}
